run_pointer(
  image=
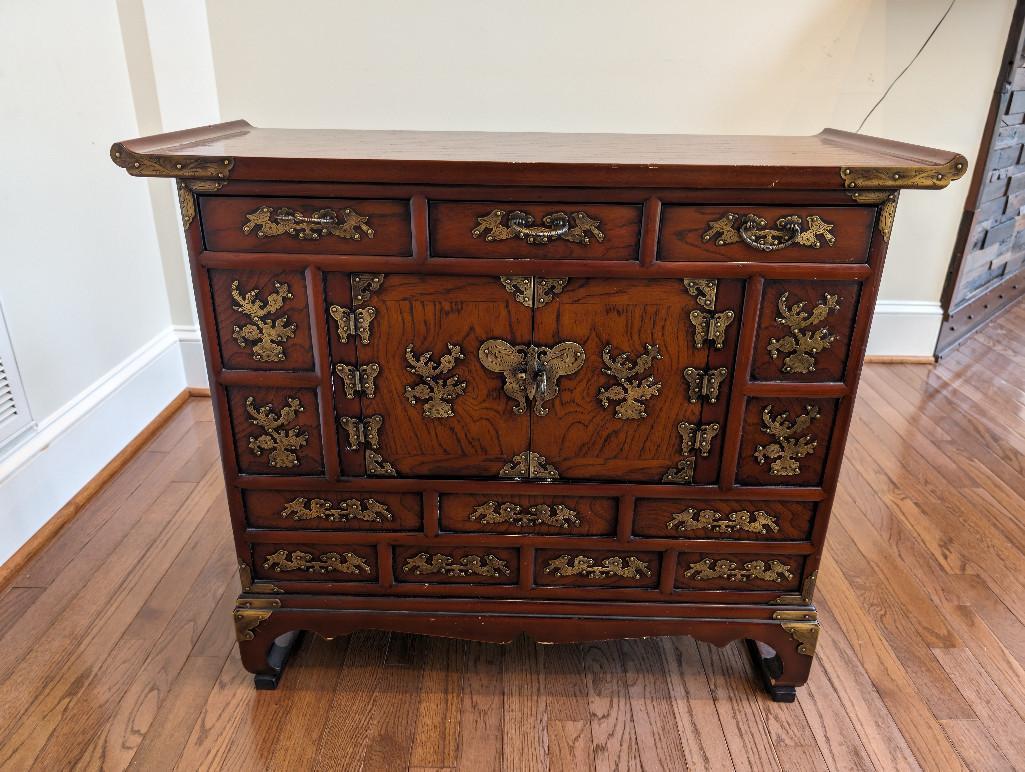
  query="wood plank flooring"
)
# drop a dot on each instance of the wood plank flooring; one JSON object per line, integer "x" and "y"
{"x": 921, "y": 663}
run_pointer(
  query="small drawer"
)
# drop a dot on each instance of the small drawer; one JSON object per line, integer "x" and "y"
{"x": 535, "y": 230}
{"x": 315, "y": 562}
{"x": 333, "y": 510}
{"x": 326, "y": 226}
{"x": 722, "y": 520}
{"x": 457, "y": 565}
{"x": 730, "y": 232}
{"x": 276, "y": 430}
{"x": 561, "y": 515}
{"x": 804, "y": 331}
{"x": 596, "y": 568}
{"x": 785, "y": 441}
{"x": 704, "y": 571}
{"x": 263, "y": 320}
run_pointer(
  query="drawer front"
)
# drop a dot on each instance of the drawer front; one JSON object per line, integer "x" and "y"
{"x": 804, "y": 331}
{"x": 717, "y": 571}
{"x": 315, "y": 562}
{"x": 276, "y": 430}
{"x": 333, "y": 510}
{"x": 735, "y": 232}
{"x": 532, "y": 230}
{"x": 306, "y": 225}
{"x": 785, "y": 441}
{"x": 596, "y": 568}
{"x": 456, "y": 565}
{"x": 722, "y": 520}
{"x": 561, "y": 515}
{"x": 263, "y": 320}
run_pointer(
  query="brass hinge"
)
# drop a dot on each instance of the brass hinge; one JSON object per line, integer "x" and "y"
{"x": 533, "y": 292}
{"x": 352, "y": 323}
{"x": 694, "y": 439}
{"x": 710, "y": 327}
{"x": 366, "y": 434}
{"x": 703, "y": 384}
{"x": 358, "y": 379}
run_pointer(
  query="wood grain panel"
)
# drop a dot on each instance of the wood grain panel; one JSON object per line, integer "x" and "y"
{"x": 793, "y": 519}
{"x": 809, "y": 467}
{"x": 309, "y": 457}
{"x": 596, "y": 516}
{"x": 278, "y": 509}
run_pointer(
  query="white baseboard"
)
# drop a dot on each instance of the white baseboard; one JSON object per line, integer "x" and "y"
{"x": 905, "y": 328}
{"x": 67, "y": 449}
{"x": 192, "y": 356}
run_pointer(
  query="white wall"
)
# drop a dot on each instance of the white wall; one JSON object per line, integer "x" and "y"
{"x": 731, "y": 67}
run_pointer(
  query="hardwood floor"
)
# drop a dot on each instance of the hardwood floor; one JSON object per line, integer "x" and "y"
{"x": 921, "y": 663}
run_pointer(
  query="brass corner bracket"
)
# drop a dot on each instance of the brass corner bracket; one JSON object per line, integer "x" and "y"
{"x": 170, "y": 166}
{"x": 804, "y": 598}
{"x": 249, "y": 613}
{"x": 894, "y": 177}
{"x": 245, "y": 575}
{"x": 802, "y": 626}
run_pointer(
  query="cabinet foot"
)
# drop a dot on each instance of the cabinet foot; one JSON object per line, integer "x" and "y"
{"x": 768, "y": 667}
{"x": 276, "y": 659}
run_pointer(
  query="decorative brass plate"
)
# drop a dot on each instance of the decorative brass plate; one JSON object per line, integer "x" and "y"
{"x": 800, "y": 346}
{"x": 492, "y": 512}
{"x": 774, "y": 571}
{"x": 630, "y": 392}
{"x": 280, "y": 443}
{"x": 692, "y": 519}
{"x": 876, "y": 178}
{"x": 265, "y": 334}
{"x": 353, "y": 323}
{"x": 701, "y": 384}
{"x": 346, "y": 563}
{"x": 249, "y": 613}
{"x": 802, "y": 626}
{"x": 703, "y": 290}
{"x": 531, "y": 372}
{"x": 529, "y": 464}
{"x": 364, "y": 285}
{"x": 324, "y": 222}
{"x": 446, "y": 565}
{"x": 710, "y": 327}
{"x": 756, "y": 233}
{"x": 577, "y": 227}
{"x": 367, "y": 510}
{"x": 786, "y": 450}
{"x": 170, "y": 166}
{"x": 693, "y": 439}
{"x": 358, "y": 379}
{"x": 436, "y": 393}
{"x": 533, "y": 292}
{"x": 629, "y": 567}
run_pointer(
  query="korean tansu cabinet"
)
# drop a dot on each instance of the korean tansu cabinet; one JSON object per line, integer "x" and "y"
{"x": 573, "y": 386}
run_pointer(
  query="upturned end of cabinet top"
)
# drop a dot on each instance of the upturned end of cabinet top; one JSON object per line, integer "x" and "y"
{"x": 829, "y": 160}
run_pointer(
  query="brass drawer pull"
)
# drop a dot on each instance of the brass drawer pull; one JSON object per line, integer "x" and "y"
{"x": 756, "y": 233}
{"x": 555, "y": 225}
{"x": 323, "y": 222}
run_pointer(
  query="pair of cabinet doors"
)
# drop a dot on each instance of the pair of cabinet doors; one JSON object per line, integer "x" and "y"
{"x": 533, "y": 378}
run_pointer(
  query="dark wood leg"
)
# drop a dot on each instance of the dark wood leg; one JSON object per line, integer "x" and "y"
{"x": 769, "y": 667}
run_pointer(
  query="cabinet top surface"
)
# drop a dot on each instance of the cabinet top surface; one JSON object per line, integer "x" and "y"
{"x": 831, "y": 159}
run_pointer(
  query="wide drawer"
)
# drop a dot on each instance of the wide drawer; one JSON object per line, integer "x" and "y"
{"x": 596, "y": 568}
{"x": 332, "y": 510}
{"x": 718, "y": 571}
{"x": 723, "y": 520}
{"x": 766, "y": 233}
{"x": 562, "y": 515}
{"x": 317, "y": 562}
{"x": 306, "y": 225}
{"x": 531, "y": 230}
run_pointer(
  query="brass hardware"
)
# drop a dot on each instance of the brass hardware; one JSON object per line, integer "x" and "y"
{"x": 756, "y": 233}
{"x": 891, "y": 177}
{"x": 703, "y": 291}
{"x": 281, "y": 444}
{"x": 802, "y": 626}
{"x": 630, "y": 568}
{"x": 364, "y": 285}
{"x": 187, "y": 197}
{"x": 694, "y": 439}
{"x": 806, "y": 596}
{"x": 264, "y": 334}
{"x": 709, "y": 568}
{"x": 170, "y": 166}
{"x": 346, "y": 563}
{"x": 529, "y": 464}
{"x": 245, "y": 575}
{"x": 887, "y": 198}
{"x": 437, "y": 393}
{"x": 701, "y": 384}
{"x": 249, "y": 613}
{"x": 358, "y": 379}
{"x": 353, "y": 323}
{"x": 365, "y": 433}
{"x": 801, "y": 347}
{"x": 630, "y": 392}
{"x": 785, "y": 452}
{"x": 533, "y": 292}
{"x": 531, "y": 372}
{"x": 539, "y": 514}
{"x": 366, "y": 510}
{"x": 555, "y": 225}
{"x": 446, "y": 565}
{"x": 691, "y": 519}
{"x": 710, "y": 327}
{"x": 271, "y": 222}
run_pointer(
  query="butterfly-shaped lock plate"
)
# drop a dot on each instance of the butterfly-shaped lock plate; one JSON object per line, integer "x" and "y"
{"x": 531, "y": 372}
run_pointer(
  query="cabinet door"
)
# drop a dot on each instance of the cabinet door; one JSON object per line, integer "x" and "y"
{"x": 433, "y": 409}
{"x": 630, "y": 413}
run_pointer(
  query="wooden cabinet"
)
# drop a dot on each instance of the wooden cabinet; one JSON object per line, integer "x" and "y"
{"x": 581, "y": 387}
